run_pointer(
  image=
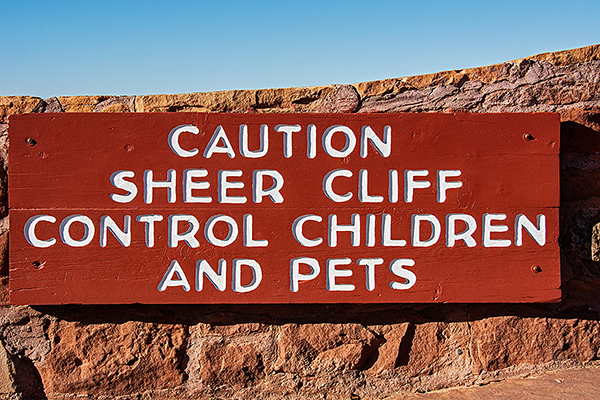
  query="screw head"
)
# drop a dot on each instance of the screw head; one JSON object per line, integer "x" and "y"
{"x": 31, "y": 141}
{"x": 528, "y": 137}
{"x": 536, "y": 269}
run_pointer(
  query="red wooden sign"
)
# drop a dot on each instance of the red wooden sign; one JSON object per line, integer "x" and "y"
{"x": 283, "y": 208}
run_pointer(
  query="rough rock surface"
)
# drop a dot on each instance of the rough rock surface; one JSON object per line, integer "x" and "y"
{"x": 16, "y": 105}
{"x": 7, "y": 373}
{"x": 112, "y": 358}
{"x": 329, "y": 351}
{"x": 23, "y": 331}
{"x": 233, "y": 356}
{"x": 310, "y": 349}
{"x": 504, "y": 341}
{"x": 50, "y": 105}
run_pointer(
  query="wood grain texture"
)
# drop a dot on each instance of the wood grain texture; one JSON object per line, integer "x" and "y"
{"x": 508, "y": 164}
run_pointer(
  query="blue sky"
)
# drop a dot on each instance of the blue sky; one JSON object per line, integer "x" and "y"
{"x": 52, "y": 48}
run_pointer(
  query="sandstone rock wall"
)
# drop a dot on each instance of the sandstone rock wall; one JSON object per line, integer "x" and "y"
{"x": 328, "y": 351}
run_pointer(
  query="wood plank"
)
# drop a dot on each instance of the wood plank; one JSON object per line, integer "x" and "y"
{"x": 61, "y": 166}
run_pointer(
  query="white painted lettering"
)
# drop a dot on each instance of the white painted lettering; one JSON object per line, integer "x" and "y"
{"x": 370, "y": 264}
{"x": 296, "y": 276}
{"x": 393, "y": 186}
{"x": 353, "y": 228}
{"x": 122, "y": 236}
{"x": 363, "y": 191}
{"x": 384, "y": 147}
{"x": 287, "y": 131}
{"x": 29, "y": 231}
{"x": 332, "y": 274}
{"x": 299, "y": 235}
{"x": 218, "y": 279}
{"x": 118, "y": 181}
{"x": 410, "y": 184}
{"x": 150, "y": 184}
{"x": 169, "y": 279}
{"x": 537, "y": 233}
{"x": 386, "y": 233}
{"x": 209, "y": 230}
{"x": 149, "y": 221}
{"x": 488, "y": 228}
{"x": 348, "y": 147}
{"x": 328, "y": 185}
{"x": 273, "y": 192}
{"x": 466, "y": 235}
{"x": 88, "y": 234}
{"x": 237, "y": 275}
{"x": 443, "y": 185}
{"x": 311, "y": 139}
{"x": 249, "y": 241}
{"x": 188, "y": 236}
{"x": 173, "y": 140}
{"x": 224, "y": 185}
{"x": 189, "y": 185}
{"x": 370, "y": 240}
{"x": 436, "y": 229}
{"x": 396, "y": 267}
{"x": 213, "y": 145}
{"x": 264, "y": 142}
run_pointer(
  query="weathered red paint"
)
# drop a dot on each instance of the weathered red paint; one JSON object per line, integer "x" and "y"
{"x": 60, "y": 165}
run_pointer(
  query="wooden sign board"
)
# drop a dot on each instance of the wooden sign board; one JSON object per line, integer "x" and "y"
{"x": 283, "y": 208}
